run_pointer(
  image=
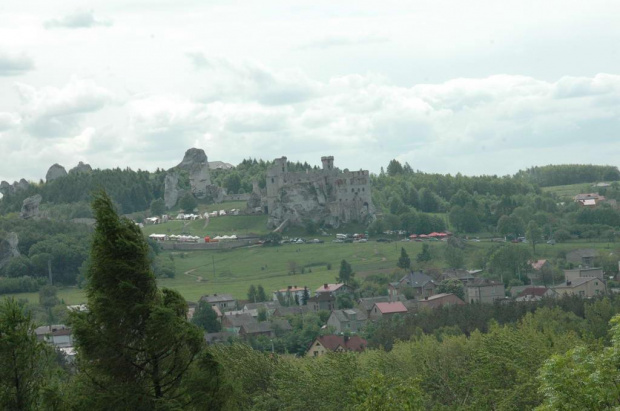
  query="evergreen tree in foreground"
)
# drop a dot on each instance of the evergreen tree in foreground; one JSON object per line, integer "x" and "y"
{"x": 134, "y": 344}
{"x": 23, "y": 359}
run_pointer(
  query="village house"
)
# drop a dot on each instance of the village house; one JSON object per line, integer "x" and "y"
{"x": 293, "y": 310}
{"x": 366, "y": 303}
{"x": 291, "y": 294}
{"x": 389, "y": 309}
{"x": 233, "y": 323}
{"x": 225, "y": 302}
{"x": 421, "y": 284}
{"x": 268, "y": 306}
{"x": 334, "y": 289}
{"x": 539, "y": 265}
{"x": 462, "y": 275}
{"x": 482, "y": 290}
{"x": 593, "y": 272}
{"x": 586, "y": 287}
{"x": 322, "y": 301}
{"x": 582, "y": 257}
{"x": 440, "y": 300}
{"x": 255, "y": 329}
{"x": 336, "y": 343}
{"x": 536, "y": 294}
{"x": 350, "y": 320}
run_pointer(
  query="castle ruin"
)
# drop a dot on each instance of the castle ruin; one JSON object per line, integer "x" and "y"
{"x": 327, "y": 196}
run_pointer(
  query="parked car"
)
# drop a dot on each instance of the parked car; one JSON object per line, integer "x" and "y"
{"x": 383, "y": 240}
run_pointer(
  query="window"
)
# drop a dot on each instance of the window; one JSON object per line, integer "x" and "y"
{"x": 582, "y": 293}
{"x": 272, "y": 180}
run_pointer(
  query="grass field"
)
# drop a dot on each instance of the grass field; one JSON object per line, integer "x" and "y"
{"x": 232, "y": 271}
{"x": 570, "y": 191}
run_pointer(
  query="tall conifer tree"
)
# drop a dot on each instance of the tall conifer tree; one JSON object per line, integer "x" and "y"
{"x": 134, "y": 343}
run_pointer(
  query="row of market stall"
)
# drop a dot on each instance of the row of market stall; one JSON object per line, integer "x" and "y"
{"x": 191, "y": 238}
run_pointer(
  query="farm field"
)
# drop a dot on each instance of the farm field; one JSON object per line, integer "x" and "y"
{"x": 232, "y": 271}
{"x": 571, "y": 190}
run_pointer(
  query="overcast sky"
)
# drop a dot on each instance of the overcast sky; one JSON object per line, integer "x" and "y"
{"x": 480, "y": 87}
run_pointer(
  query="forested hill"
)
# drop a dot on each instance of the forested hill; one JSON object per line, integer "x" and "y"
{"x": 563, "y": 174}
{"x": 132, "y": 190}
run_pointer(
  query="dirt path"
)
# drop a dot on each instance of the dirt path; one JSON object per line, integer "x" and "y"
{"x": 197, "y": 277}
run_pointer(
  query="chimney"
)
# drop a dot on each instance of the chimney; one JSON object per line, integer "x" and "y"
{"x": 215, "y": 295}
{"x": 325, "y": 286}
{"x": 569, "y": 282}
{"x": 426, "y": 298}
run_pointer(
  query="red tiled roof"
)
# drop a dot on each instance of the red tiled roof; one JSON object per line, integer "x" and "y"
{"x": 536, "y": 291}
{"x": 332, "y": 342}
{"x": 537, "y": 265}
{"x": 328, "y": 288}
{"x": 391, "y": 307}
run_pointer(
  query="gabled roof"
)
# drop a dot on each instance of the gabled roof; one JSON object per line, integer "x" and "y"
{"x": 535, "y": 291}
{"x": 329, "y": 288}
{"x": 256, "y": 328}
{"x": 269, "y": 305}
{"x": 391, "y": 308}
{"x": 344, "y": 316}
{"x": 576, "y": 282}
{"x": 538, "y": 265}
{"x": 438, "y": 300}
{"x": 332, "y": 342}
{"x": 416, "y": 279}
{"x": 482, "y": 282}
{"x": 217, "y": 298}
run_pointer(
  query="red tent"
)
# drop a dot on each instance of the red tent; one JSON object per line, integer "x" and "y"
{"x": 413, "y": 236}
{"x": 433, "y": 234}
{"x": 442, "y": 234}
{"x": 423, "y": 236}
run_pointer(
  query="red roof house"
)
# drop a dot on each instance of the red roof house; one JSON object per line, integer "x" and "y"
{"x": 336, "y": 343}
{"x": 381, "y": 310}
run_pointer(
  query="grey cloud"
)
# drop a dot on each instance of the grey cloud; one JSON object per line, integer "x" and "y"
{"x": 12, "y": 65}
{"x": 78, "y": 19}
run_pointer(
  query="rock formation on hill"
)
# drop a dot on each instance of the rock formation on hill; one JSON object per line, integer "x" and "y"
{"x": 30, "y": 207}
{"x": 6, "y": 188}
{"x": 196, "y": 163}
{"x": 171, "y": 190}
{"x": 8, "y": 249}
{"x": 54, "y": 172}
{"x": 81, "y": 168}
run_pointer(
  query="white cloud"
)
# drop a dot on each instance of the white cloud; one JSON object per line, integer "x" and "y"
{"x": 9, "y": 121}
{"x": 343, "y": 41}
{"x": 249, "y": 80}
{"x": 56, "y": 112}
{"x": 14, "y": 64}
{"x": 77, "y": 19}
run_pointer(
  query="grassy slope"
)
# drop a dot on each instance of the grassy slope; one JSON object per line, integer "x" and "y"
{"x": 235, "y": 270}
{"x": 569, "y": 191}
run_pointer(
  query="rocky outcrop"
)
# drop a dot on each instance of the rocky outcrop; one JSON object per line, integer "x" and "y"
{"x": 195, "y": 161}
{"x": 193, "y": 156}
{"x": 199, "y": 180}
{"x": 22, "y": 185}
{"x": 81, "y": 168}
{"x": 30, "y": 207}
{"x": 171, "y": 190}
{"x": 7, "y": 189}
{"x": 54, "y": 172}
{"x": 8, "y": 249}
